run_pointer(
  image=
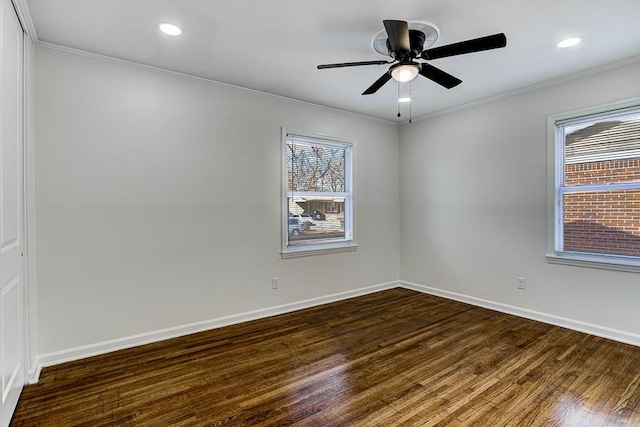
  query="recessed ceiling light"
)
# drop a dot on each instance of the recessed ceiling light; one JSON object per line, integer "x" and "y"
{"x": 405, "y": 99}
{"x": 571, "y": 41}
{"x": 170, "y": 29}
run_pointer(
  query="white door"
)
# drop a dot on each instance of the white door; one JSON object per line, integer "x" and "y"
{"x": 12, "y": 292}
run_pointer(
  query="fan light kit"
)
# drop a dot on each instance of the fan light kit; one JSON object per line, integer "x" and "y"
{"x": 170, "y": 29}
{"x": 404, "y": 73}
{"x": 406, "y": 41}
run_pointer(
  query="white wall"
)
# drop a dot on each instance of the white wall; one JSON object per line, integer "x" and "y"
{"x": 473, "y": 206}
{"x": 158, "y": 201}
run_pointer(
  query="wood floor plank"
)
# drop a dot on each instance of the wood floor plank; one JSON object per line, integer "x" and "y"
{"x": 391, "y": 358}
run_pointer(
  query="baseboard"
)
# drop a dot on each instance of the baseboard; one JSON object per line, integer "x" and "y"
{"x": 68, "y": 355}
{"x": 576, "y": 325}
{"x": 34, "y": 371}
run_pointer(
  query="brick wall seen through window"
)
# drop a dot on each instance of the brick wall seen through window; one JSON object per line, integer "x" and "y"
{"x": 600, "y": 192}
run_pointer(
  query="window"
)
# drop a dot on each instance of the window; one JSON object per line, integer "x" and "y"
{"x": 596, "y": 187}
{"x": 318, "y": 195}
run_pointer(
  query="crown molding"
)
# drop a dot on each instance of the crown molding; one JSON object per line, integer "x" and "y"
{"x": 123, "y": 62}
{"x": 24, "y": 15}
{"x": 530, "y": 88}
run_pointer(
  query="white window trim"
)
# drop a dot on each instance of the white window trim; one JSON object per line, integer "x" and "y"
{"x": 555, "y": 174}
{"x": 347, "y": 245}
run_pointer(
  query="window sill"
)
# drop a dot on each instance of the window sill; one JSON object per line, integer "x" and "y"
{"x": 590, "y": 261}
{"x": 302, "y": 251}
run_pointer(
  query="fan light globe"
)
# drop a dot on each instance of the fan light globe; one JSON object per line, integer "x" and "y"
{"x": 405, "y": 73}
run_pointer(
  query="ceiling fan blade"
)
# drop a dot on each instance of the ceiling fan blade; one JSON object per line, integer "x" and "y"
{"x": 378, "y": 84}
{"x": 494, "y": 41}
{"x": 398, "y": 32}
{"x": 439, "y": 76}
{"x": 352, "y": 64}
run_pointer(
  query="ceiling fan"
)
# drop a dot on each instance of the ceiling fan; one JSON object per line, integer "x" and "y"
{"x": 405, "y": 45}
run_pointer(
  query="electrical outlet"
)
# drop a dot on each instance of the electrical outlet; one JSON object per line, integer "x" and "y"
{"x": 275, "y": 283}
{"x": 522, "y": 283}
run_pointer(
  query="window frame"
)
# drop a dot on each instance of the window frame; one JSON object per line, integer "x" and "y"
{"x": 348, "y": 244}
{"x": 555, "y": 179}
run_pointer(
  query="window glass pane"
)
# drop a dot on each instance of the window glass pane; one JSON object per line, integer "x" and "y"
{"x": 315, "y": 167}
{"x": 603, "y": 150}
{"x": 315, "y": 220}
{"x": 603, "y": 172}
{"x": 606, "y": 222}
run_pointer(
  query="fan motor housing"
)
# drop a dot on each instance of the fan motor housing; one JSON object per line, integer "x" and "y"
{"x": 416, "y": 41}
{"x": 422, "y": 35}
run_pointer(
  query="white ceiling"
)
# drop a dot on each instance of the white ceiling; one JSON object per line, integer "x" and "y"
{"x": 274, "y": 46}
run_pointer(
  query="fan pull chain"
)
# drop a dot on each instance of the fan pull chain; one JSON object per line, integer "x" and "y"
{"x": 398, "y": 99}
{"x": 410, "y": 102}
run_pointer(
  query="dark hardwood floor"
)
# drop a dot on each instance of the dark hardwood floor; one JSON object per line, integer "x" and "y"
{"x": 392, "y": 358}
